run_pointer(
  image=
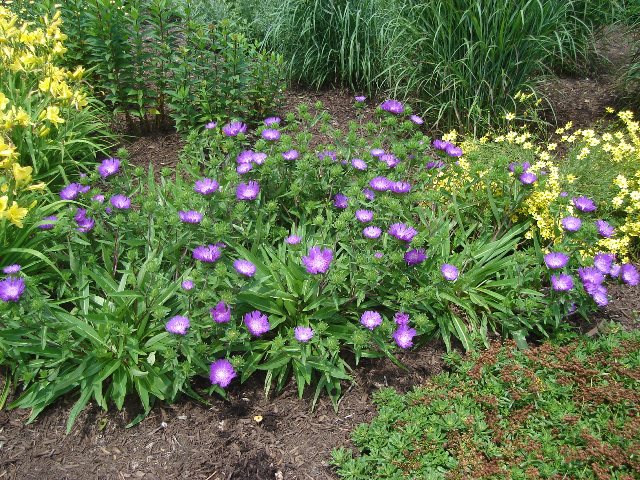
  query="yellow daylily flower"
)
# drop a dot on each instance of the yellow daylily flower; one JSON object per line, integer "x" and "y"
{"x": 22, "y": 175}
{"x": 16, "y": 214}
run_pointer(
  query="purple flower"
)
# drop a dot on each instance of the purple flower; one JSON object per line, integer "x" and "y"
{"x": 244, "y": 168}
{"x": 85, "y": 223}
{"x": 187, "y": 285}
{"x": 562, "y": 282}
{"x": 244, "y": 267}
{"x": 528, "y": 178}
{"x": 11, "y": 269}
{"x": 416, "y": 119}
{"x": 210, "y": 125}
{"x": 564, "y": 194}
{"x": 257, "y": 323}
{"x": 221, "y": 313}
{"x": 327, "y": 154}
{"x": 403, "y": 336}
{"x": 364, "y": 216}
{"x": 318, "y": 260}
{"x": 603, "y": 262}
{"x": 206, "y": 186}
{"x": 290, "y": 155}
{"x": 121, "y": 202}
{"x": 271, "y": 134}
{"x": 377, "y": 152}
{"x": 391, "y": 160}
{"x": 453, "y": 151}
{"x": 108, "y": 167}
{"x": 371, "y": 319}
{"x": 571, "y": 224}
{"x": 248, "y": 191}
{"x": 415, "y": 256}
{"x": 401, "y": 318}
{"x": 98, "y": 198}
{"x": 400, "y": 187}
{"x": 629, "y": 274}
{"x": 360, "y": 98}
{"x": 340, "y": 201}
{"x": 435, "y": 164}
{"x": 190, "y": 216}
{"x": 272, "y": 121}
{"x": 584, "y": 204}
{"x": 402, "y": 232}
{"x": 303, "y": 334}
{"x": 359, "y": 164}
{"x": 207, "y": 253}
{"x": 221, "y": 373}
{"x": 369, "y": 194}
{"x": 615, "y": 270}
{"x": 11, "y": 289}
{"x": 556, "y": 260}
{"x": 50, "y": 222}
{"x": 392, "y": 106}
{"x": 449, "y": 272}
{"x": 293, "y": 239}
{"x": 378, "y": 254}
{"x": 598, "y": 292}
{"x": 234, "y": 128}
{"x": 604, "y": 229}
{"x": 372, "y": 232}
{"x": 71, "y": 191}
{"x": 439, "y": 144}
{"x": 244, "y": 157}
{"x": 590, "y": 275}
{"x": 380, "y": 184}
{"x": 178, "y": 325}
{"x": 259, "y": 157}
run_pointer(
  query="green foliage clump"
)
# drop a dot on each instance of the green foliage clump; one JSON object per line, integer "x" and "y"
{"x": 554, "y": 411}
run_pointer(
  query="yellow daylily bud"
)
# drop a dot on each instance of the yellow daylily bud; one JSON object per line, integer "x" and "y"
{"x": 37, "y": 186}
{"x": 4, "y": 101}
{"x": 3, "y": 204}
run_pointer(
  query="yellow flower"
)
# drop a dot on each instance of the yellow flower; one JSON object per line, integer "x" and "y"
{"x": 52, "y": 114}
{"x": 16, "y": 214}
{"x": 22, "y": 175}
{"x": 3, "y": 205}
{"x": 4, "y": 101}
{"x": 36, "y": 186}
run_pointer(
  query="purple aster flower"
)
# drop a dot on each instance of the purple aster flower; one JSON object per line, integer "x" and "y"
{"x": 85, "y": 223}
{"x": 564, "y": 194}
{"x": 221, "y": 373}
{"x": 615, "y": 270}
{"x": 380, "y": 184}
{"x": 603, "y": 262}
{"x": 248, "y": 191}
{"x": 403, "y": 336}
{"x": 392, "y": 106}
{"x": 371, "y": 319}
{"x": 402, "y": 232}
{"x": 571, "y": 224}
{"x": 178, "y": 325}
{"x": 391, "y": 160}
{"x": 364, "y": 216}
{"x": 221, "y": 313}
{"x": 259, "y": 158}
{"x": 272, "y": 121}
{"x": 435, "y": 164}
{"x": 400, "y": 187}
{"x": 415, "y": 256}
{"x": 439, "y": 144}
{"x": 210, "y": 125}
{"x": 303, "y": 334}
{"x": 449, "y": 272}
{"x": 50, "y": 222}
{"x": 401, "y": 318}
{"x": 590, "y": 275}
{"x": 98, "y": 198}
{"x": 207, "y": 253}
{"x": 71, "y": 191}
{"x": 377, "y": 152}
{"x": 293, "y": 239}
{"x": 556, "y": 260}
{"x": 378, "y": 254}
{"x": 416, "y": 119}
{"x": 190, "y": 216}
{"x": 206, "y": 186}
{"x": 359, "y": 164}
{"x": 187, "y": 285}
{"x": 584, "y": 204}
{"x": 234, "y": 128}
{"x": 327, "y": 154}
{"x": 369, "y": 194}
{"x": 360, "y": 98}
{"x": 290, "y": 155}
{"x": 604, "y": 229}
{"x": 340, "y": 201}
{"x": 121, "y": 202}
{"x": 244, "y": 168}
{"x": 271, "y": 134}
{"x": 562, "y": 282}
{"x": 629, "y": 274}
{"x": 318, "y": 260}
{"x": 598, "y": 292}
{"x": 372, "y": 232}
{"x": 244, "y": 267}
{"x": 528, "y": 178}
{"x": 11, "y": 289}
{"x": 257, "y": 323}
{"x": 11, "y": 269}
{"x": 108, "y": 167}
{"x": 453, "y": 151}
{"x": 244, "y": 157}
{"x": 108, "y": 210}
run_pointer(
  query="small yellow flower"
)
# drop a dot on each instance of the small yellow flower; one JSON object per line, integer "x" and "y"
{"x": 22, "y": 175}
{"x": 52, "y": 114}
{"x": 16, "y": 214}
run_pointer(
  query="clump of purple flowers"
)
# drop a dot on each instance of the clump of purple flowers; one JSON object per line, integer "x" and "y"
{"x": 402, "y": 232}
{"x": 603, "y": 262}
{"x": 207, "y": 253}
{"x": 71, "y": 191}
{"x": 85, "y": 223}
{"x": 221, "y": 313}
{"x": 390, "y": 160}
{"x": 452, "y": 150}
{"x": 248, "y": 191}
{"x": 11, "y": 289}
{"x": 206, "y": 186}
{"x": 178, "y": 325}
{"x": 234, "y": 128}
{"x": 318, "y": 260}
{"x": 257, "y": 323}
{"x": 371, "y": 319}
{"x": 392, "y": 106}
{"x": 221, "y": 373}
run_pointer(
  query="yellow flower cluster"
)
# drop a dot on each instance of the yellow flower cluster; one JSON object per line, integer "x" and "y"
{"x": 538, "y": 205}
